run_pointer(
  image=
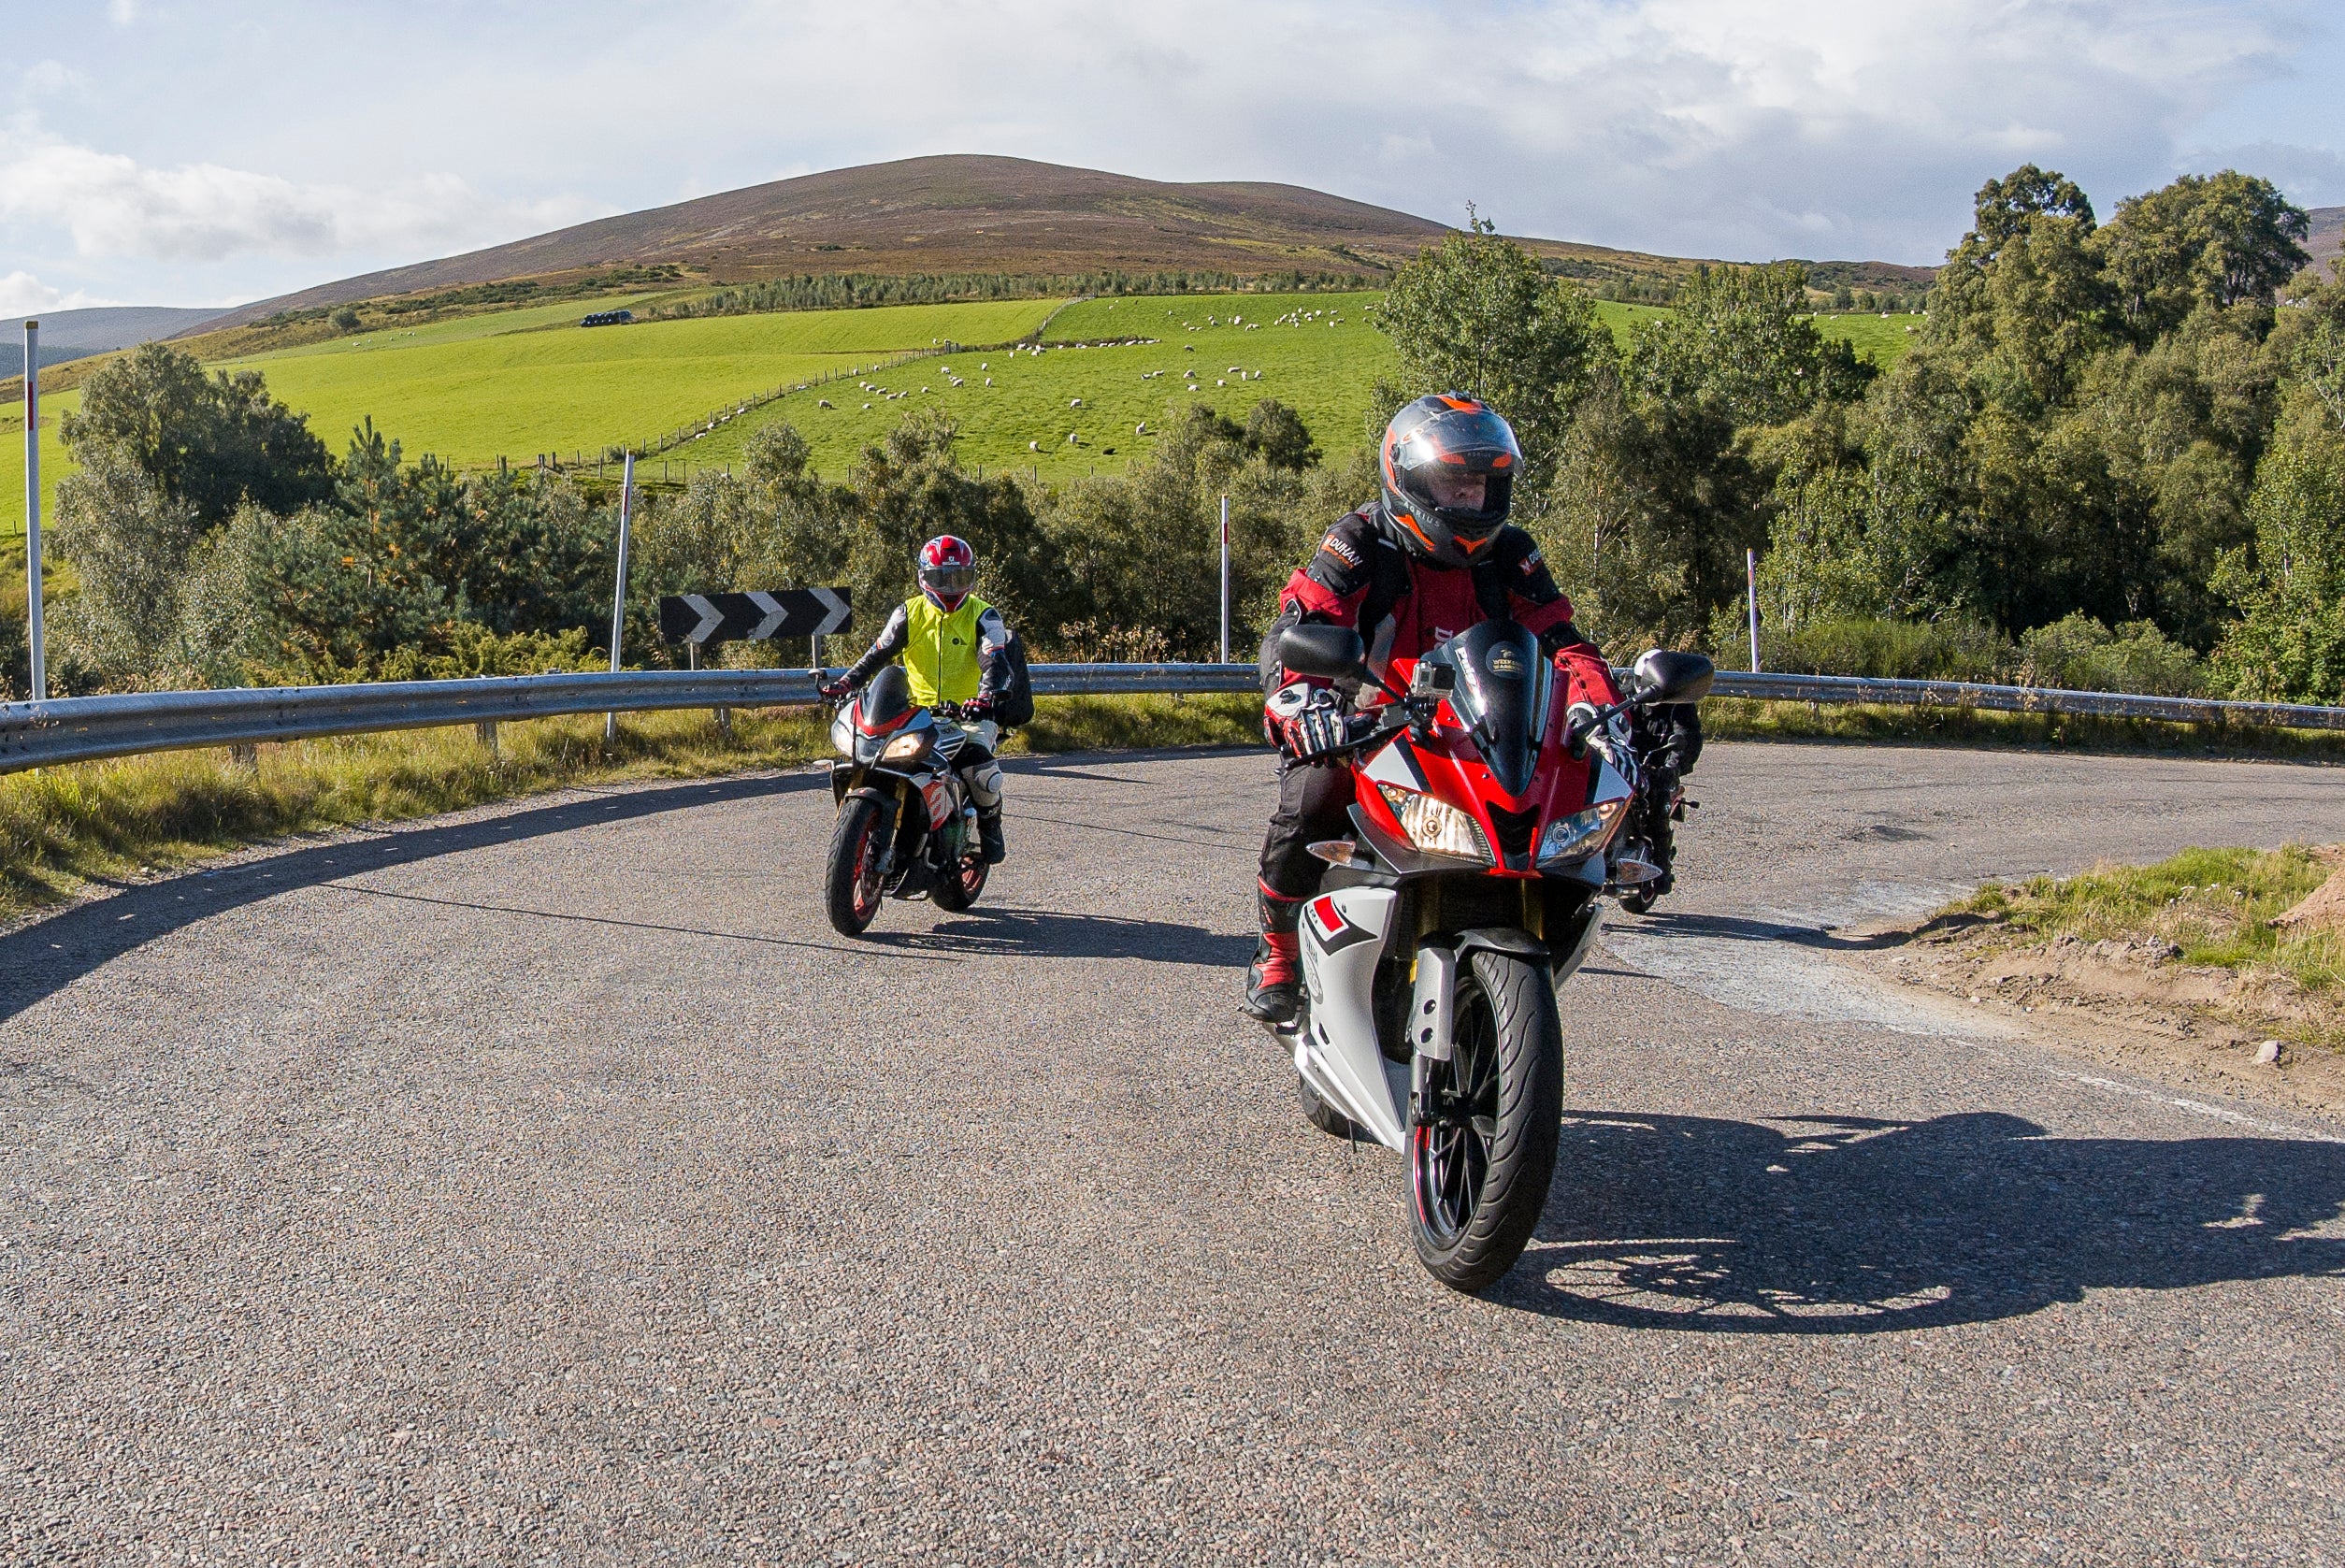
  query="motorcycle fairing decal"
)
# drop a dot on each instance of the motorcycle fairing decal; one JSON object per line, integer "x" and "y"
{"x": 1395, "y": 763}
{"x": 1331, "y": 930}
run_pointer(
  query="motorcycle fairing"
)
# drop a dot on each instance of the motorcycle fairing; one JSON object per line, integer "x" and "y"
{"x": 1344, "y": 936}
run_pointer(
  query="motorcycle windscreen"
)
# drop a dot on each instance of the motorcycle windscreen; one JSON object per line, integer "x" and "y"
{"x": 1498, "y": 679}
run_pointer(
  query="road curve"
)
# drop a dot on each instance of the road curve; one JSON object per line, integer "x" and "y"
{"x": 550, "y": 1184}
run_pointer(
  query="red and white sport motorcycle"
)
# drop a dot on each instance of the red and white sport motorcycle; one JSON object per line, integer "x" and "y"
{"x": 1486, "y": 798}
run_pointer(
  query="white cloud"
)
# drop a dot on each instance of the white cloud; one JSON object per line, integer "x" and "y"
{"x": 113, "y": 206}
{"x": 49, "y": 79}
{"x": 24, "y": 294}
{"x": 121, "y": 13}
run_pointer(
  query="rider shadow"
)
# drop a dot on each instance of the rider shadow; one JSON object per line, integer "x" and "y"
{"x": 1845, "y": 1225}
{"x": 1036, "y": 933}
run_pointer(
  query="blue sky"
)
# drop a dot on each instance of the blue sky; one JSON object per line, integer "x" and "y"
{"x": 160, "y": 152}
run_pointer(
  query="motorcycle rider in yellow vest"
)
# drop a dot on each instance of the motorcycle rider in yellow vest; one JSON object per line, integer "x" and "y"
{"x": 954, "y": 645}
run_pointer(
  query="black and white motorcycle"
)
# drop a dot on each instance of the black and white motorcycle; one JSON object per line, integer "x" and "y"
{"x": 906, "y": 826}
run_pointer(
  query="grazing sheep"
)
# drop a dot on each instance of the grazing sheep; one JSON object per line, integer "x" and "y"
{"x": 1074, "y": 402}
{"x": 989, "y": 381}
{"x": 981, "y": 364}
{"x": 1073, "y": 439}
{"x": 1033, "y": 446}
{"x": 1140, "y": 428}
{"x": 867, "y": 408}
{"x": 822, "y": 402}
{"x": 1221, "y": 384}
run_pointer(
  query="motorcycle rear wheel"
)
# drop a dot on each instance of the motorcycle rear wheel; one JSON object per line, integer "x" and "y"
{"x": 852, "y": 883}
{"x": 1478, "y": 1172}
{"x": 959, "y": 890}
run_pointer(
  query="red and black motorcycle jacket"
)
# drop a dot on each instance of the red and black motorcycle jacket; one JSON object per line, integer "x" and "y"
{"x": 1402, "y": 605}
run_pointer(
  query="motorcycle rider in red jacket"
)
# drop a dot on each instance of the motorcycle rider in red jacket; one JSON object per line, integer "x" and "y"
{"x": 1430, "y": 556}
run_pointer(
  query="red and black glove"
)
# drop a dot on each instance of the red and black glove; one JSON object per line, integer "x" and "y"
{"x": 1307, "y": 723}
{"x": 831, "y": 691}
{"x": 977, "y": 710}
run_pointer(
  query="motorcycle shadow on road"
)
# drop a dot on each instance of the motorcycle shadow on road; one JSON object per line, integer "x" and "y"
{"x": 1043, "y": 933}
{"x": 47, "y": 955}
{"x": 1844, "y": 1225}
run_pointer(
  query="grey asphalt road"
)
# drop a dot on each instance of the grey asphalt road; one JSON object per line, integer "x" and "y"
{"x": 551, "y": 1186}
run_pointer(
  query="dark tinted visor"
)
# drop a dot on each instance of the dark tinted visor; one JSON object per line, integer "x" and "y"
{"x": 949, "y": 579}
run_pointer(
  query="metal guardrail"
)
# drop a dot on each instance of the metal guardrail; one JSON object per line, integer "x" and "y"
{"x": 2024, "y": 700}
{"x": 85, "y": 729}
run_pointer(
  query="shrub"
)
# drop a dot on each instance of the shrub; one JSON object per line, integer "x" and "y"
{"x": 2079, "y": 653}
{"x": 1950, "y": 649}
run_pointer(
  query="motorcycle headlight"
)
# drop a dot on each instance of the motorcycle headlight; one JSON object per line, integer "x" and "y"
{"x": 1581, "y": 834}
{"x": 1434, "y": 826}
{"x": 843, "y": 734}
{"x": 904, "y": 748}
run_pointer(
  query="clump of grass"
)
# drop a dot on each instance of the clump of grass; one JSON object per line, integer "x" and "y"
{"x": 2215, "y": 905}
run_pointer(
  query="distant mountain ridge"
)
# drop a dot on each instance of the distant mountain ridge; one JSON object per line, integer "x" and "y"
{"x": 2327, "y": 240}
{"x": 71, "y": 335}
{"x": 960, "y": 213}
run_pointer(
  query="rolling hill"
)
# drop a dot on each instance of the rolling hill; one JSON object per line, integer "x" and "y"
{"x": 968, "y": 213}
{"x": 71, "y": 335}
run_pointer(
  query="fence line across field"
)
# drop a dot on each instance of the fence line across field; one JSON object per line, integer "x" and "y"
{"x": 86, "y": 728}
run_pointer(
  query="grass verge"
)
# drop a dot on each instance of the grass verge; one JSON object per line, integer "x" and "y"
{"x": 1737, "y": 718}
{"x": 2216, "y": 905}
{"x": 63, "y": 828}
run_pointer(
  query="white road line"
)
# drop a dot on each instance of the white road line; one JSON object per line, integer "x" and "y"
{"x": 2198, "y": 1106}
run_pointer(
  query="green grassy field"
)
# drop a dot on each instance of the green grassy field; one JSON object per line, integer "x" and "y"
{"x": 1314, "y": 351}
{"x": 1886, "y": 338}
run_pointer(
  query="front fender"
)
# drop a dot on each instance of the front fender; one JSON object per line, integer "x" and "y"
{"x": 1510, "y": 940}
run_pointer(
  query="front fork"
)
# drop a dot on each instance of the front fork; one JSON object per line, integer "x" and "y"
{"x": 1432, "y": 1026}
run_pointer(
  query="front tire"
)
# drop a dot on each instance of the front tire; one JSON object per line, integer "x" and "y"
{"x": 851, "y": 886}
{"x": 1479, "y": 1169}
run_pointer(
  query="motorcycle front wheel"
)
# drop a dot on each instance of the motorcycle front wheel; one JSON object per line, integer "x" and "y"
{"x": 1480, "y": 1164}
{"x": 851, "y": 884}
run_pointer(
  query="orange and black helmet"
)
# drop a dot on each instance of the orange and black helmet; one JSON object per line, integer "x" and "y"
{"x": 1449, "y": 463}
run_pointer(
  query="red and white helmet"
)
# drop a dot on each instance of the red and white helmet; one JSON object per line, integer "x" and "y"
{"x": 948, "y": 570}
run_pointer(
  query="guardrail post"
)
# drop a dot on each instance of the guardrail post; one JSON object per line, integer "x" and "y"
{"x": 486, "y": 732}
{"x": 244, "y": 754}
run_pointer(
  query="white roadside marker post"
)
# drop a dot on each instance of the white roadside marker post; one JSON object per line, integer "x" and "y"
{"x": 1750, "y": 567}
{"x": 619, "y": 592}
{"x": 1224, "y": 580}
{"x": 33, "y": 511}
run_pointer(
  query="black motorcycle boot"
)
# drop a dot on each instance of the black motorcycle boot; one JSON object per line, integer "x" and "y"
{"x": 989, "y": 837}
{"x": 1273, "y": 986}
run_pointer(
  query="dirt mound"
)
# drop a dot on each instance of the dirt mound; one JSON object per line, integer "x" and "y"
{"x": 2324, "y": 909}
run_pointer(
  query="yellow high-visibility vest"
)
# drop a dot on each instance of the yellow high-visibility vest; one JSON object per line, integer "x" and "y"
{"x": 941, "y": 650}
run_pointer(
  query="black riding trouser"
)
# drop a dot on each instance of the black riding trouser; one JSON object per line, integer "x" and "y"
{"x": 1313, "y": 803}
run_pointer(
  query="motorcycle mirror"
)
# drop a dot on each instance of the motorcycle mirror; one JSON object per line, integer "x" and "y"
{"x": 1665, "y": 675}
{"x": 1329, "y": 652}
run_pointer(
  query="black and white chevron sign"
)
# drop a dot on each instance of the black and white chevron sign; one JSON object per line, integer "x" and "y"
{"x": 706, "y": 618}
